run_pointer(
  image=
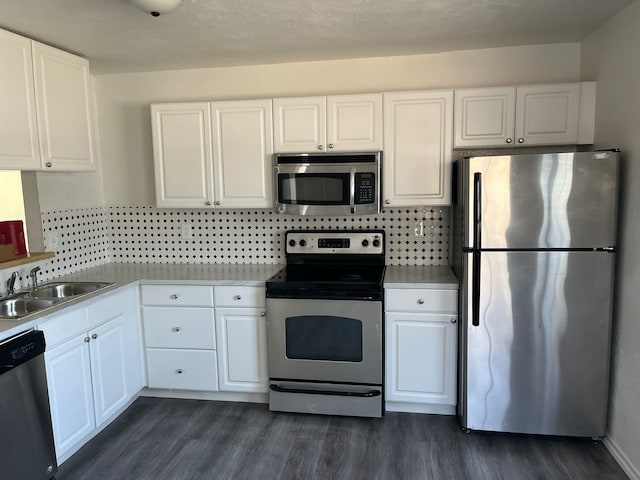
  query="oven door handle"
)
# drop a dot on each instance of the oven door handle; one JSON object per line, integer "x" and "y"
{"x": 370, "y": 393}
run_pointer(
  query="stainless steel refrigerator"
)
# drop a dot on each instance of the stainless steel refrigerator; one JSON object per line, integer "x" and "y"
{"x": 536, "y": 252}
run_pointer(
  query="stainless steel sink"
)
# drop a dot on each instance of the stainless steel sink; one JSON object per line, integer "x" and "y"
{"x": 61, "y": 290}
{"x": 13, "y": 308}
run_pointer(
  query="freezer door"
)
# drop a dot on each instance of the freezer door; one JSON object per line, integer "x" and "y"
{"x": 562, "y": 200}
{"x": 538, "y": 360}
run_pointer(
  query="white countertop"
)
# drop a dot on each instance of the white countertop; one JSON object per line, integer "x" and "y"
{"x": 432, "y": 276}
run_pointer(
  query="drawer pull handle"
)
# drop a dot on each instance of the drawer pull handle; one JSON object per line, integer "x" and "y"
{"x": 176, "y": 329}
{"x": 420, "y": 301}
{"x": 179, "y": 371}
{"x": 453, "y": 320}
{"x": 174, "y": 297}
{"x": 237, "y": 297}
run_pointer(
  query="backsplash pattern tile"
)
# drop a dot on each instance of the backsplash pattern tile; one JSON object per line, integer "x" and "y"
{"x": 149, "y": 234}
{"x": 85, "y": 238}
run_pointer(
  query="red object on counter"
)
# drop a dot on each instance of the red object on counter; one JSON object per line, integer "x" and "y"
{"x": 12, "y": 231}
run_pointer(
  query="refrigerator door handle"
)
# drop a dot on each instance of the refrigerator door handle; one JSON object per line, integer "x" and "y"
{"x": 475, "y": 289}
{"x": 477, "y": 245}
{"x": 477, "y": 210}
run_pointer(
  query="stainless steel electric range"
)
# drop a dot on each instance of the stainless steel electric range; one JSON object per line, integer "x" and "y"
{"x": 324, "y": 324}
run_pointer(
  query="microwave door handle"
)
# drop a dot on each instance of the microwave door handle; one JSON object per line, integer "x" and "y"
{"x": 352, "y": 190}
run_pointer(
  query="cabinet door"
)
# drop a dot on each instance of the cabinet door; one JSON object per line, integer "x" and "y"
{"x": 70, "y": 394}
{"x": 108, "y": 369}
{"x": 417, "y": 137}
{"x": 354, "y": 122}
{"x": 242, "y": 349}
{"x": 242, "y": 153}
{"x": 421, "y": 358}
{"x": 299, "y": 124}
{"x": 182, "y": 154}
{"x": 19, "y": 147}
{"x": 547, "y": 114}
{"x": 65, "y": 104}
{"x": 484, "y": 117}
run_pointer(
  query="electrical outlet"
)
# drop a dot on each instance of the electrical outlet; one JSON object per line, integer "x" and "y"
{"x": 186, "y": 231}
{"x": 53, "y": 241}
{"x": 419, "y": 229}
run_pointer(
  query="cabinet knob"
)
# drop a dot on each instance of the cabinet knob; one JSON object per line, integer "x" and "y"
{"x": 387, "y": 202}
{"x": 320, "y": 147}
{"x": 509, "y": 140}
{"x": 262, "y": 314}
{"x": 218, "y": 202}
{"x": 87, "y": 339}
{"x": 176, "y": 329}
{"x": 179, "y": 371}
{"x": 453, "y": 320}
{"x": 94, "y": 336}
{"x": 237, "y": 297}
{"x": 330, "y": 145}
{"x": 420, "y": 301}
{"x": 208, "y": 202}
{"x": 48, "y": 164}
{"x": 174, "y": 297}
{"x": 521, "y": 140}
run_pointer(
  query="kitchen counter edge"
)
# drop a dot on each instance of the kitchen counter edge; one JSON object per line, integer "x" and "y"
{"x": 425, "y": 277}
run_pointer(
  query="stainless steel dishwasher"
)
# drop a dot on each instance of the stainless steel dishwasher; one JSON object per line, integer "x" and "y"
{"x": 26, "y": 437}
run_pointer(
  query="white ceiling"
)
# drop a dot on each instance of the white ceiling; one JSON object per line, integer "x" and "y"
{"x": 117, "y": 37}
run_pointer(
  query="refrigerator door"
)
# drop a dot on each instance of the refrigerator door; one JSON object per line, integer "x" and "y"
{"x": 538, "y": 361}
{"x": 560, "y": 200}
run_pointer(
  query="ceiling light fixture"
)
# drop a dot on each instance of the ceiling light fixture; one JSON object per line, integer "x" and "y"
{"x": 156, "y": 7}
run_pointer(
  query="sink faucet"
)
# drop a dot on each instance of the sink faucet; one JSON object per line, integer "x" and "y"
{"x": 34, "y": 276}
{"x": 11, "y": 283}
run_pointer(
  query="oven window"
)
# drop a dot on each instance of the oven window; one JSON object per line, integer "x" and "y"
{"x": 313, "y": 188}
{"x": 321, "y": 337}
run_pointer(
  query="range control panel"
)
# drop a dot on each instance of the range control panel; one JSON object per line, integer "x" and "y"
{"x": 338, "y": 242}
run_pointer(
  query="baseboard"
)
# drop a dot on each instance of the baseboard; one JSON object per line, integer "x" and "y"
{"x": 629, "y": 468}
{"x": 407, "y": 407}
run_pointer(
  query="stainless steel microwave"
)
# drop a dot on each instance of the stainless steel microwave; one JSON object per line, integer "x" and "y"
{"x": 327, "y": 183}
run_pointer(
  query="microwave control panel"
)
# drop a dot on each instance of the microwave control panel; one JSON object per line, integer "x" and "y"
{"x": 365, "y": 191}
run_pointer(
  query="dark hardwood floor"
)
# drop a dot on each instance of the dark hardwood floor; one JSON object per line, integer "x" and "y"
{"x": 191, "y": 439}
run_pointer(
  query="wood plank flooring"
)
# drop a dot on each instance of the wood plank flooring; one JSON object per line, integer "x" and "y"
{"x": 192, "y": 439}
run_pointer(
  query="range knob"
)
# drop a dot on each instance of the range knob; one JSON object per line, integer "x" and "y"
{"x": 292, "y": 243}
{"x": 376, "y": 242}
{"x": 365, "y": 243}
{"x": 303, "y": 242}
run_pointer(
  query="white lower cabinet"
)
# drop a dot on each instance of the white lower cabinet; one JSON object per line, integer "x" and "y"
{"x": 242, "y": 349}
{"x": 94, "y": 366}
{"x": 179, "y": 337}
{"x": 421, "y": 350}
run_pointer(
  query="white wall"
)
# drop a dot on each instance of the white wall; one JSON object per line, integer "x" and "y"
{"x": 123, "y": 99}
{"x": 610, "y": 56}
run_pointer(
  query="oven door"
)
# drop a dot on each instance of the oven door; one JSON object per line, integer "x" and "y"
{"x": 325, "y": 340}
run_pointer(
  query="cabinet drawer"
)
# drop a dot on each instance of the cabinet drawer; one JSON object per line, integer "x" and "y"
{"x": 421, "y": 300}
{"x": 177, "y": 295}
{"x": 182, "y": 369}
{"x": 179, "y": 327}
{"x": 105, "y": 309}
{"x": 63, "y": 326}
{"x": 232, "y": 296}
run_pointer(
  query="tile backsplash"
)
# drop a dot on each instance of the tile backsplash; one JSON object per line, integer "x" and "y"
{"x": 84, "y": 238}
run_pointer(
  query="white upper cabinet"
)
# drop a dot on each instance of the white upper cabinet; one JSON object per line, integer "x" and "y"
{"x": 182, "y": 154}
{"x": 418, "y": 142}
{"x": 19, "y": 147}
{"x": 337, "y": 123}
{"x": 553, "y": 114}
{"x": 65, "y": 104}
{"x": 242, "y": 153}
{"x": 213, "y": 154}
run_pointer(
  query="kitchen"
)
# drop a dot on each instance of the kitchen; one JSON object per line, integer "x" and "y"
{"x": 117, "y": 199}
